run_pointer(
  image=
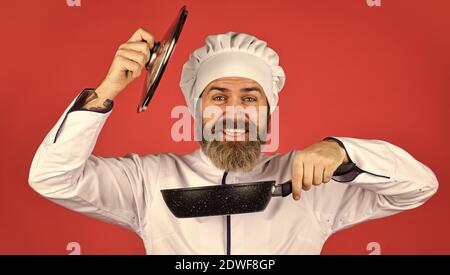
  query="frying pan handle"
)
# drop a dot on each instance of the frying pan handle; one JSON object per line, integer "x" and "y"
{"x": 344, "y": 169}
{"x": 285, "y": 189}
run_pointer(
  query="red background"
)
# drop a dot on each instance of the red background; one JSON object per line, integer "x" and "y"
{"x": 352, "y": 70}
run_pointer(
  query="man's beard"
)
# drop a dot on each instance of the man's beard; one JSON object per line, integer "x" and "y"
{"x": 233, "y": 155}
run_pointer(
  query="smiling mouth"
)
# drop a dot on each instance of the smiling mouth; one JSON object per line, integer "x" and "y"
{"x": 232, "y": 134}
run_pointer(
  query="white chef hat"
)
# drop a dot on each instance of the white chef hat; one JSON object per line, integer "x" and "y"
{"x": 232, "y": 55}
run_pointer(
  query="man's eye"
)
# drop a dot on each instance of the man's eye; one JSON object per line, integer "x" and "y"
{"x": 219, "y": 98}
{"x": 249, "y": 99}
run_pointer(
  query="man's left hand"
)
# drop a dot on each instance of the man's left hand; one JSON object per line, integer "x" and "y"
{"x": 315, "y": 165}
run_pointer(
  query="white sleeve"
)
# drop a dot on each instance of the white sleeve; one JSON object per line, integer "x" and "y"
{"x": 386, "y": 180}
{"x": 64, "y": 171}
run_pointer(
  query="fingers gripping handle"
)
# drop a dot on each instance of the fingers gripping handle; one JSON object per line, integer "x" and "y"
{"x": 285, "y": 189}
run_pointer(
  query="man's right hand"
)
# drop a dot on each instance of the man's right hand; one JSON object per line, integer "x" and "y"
{"x": 129, "y": 61}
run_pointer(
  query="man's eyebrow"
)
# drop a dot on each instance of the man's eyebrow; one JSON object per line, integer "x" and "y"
{"x": 246, "y": 89}
{"x": 222, "y": 89}
{"x": 249, "y": 89}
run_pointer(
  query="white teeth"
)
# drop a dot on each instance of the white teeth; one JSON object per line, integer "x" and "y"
{"x": 233, "y": 131}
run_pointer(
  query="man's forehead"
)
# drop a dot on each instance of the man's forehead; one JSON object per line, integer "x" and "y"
{"x": 233, "y": 81}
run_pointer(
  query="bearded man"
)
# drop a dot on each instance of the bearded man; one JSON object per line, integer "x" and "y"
{"x": 231, "y": 87}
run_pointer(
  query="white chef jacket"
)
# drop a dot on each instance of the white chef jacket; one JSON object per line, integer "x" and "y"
{"x": 126, "y": 191}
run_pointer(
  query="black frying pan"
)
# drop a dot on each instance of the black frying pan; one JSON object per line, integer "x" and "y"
{"x": 159, "y": 56}
{"x": 230, "y": 198}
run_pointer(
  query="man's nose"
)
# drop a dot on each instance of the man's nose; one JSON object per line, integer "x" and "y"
{"x": 234, "y": 107}
{"x": 235, "y": 101}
